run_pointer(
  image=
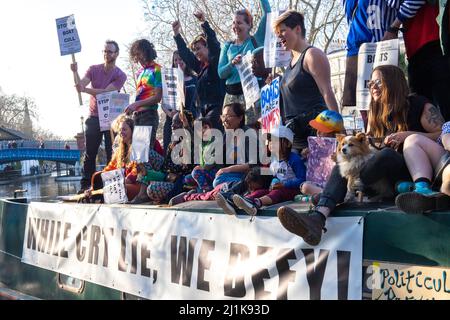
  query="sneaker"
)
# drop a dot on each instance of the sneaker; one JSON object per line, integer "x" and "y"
{"x": 224, "y": 204}
{"x": 177, "y": 199}
{"x": 246, "y": 204}
{"x": 415, "y": 202}
{"x": 404, "y": 186}
{"x": 307, "y": 226}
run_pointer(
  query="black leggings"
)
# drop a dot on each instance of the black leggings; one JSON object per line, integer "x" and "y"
{"x": 386, "y": 163}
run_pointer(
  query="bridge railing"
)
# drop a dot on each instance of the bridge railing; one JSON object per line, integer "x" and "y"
{"x": 34, "y": 144}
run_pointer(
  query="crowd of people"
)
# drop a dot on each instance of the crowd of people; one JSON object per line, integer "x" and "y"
{"x": 407, "y": 118}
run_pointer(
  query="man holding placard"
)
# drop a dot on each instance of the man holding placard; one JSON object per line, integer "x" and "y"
{"x": 103, "y": 78}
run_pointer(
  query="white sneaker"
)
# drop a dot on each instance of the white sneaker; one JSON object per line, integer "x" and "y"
{"x": 245, "y": 204}
{"x": 223, "y": 203}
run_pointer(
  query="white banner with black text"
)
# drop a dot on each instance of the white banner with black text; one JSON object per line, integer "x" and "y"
{"x": 170, "y": 254}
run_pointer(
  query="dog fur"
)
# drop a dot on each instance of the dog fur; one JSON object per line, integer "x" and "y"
{"x": 352, "y": 154}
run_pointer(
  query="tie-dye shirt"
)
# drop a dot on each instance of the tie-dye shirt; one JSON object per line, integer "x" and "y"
{"x": 149, "y": 79}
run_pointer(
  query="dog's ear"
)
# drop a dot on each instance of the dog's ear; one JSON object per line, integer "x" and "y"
{"x": 361, "y": 136}
{"x": 340, "y": 137}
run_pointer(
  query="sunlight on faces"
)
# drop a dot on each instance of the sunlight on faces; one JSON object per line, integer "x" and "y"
{"x": 240, "y": 27}
{"x": 110, "y": 53}
{"x": 288, "y": 37}
{"x": 178, "y": 62}
{"x": 200, "y": 51}
{"x": 375, "y": 85}
{"x": 229, "y": 119}
{"x": 125, "y": 133}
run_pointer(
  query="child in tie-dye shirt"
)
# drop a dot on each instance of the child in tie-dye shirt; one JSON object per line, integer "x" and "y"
{"x": 149, "y": 87}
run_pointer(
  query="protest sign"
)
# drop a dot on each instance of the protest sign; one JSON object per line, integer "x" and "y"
{"x": 69, "y": 42}
{"x": 270, "y": 105}
{"x": 110, "y": 106}
{"x": 250, "y": 85}
{"x": 372, "y": 55}
{"x": 173, "y": 89}
{"x": 275, "y": 55}
{"x": 140, "y": 148}
{"x": 114, "y": 186}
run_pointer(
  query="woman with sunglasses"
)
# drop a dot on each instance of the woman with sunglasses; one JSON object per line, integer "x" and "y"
{"x": 393, "y": 114}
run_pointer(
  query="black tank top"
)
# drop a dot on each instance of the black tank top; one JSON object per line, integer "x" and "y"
{"x": 299, "y": 91}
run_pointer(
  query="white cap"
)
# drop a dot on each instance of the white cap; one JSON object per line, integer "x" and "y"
{"x": 283, "y": 132}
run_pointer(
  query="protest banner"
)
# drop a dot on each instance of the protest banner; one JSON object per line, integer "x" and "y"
{"x": 270, "y": 106}
{"x": 69, "y": 42}
{"x": 372, "y": 55}
{"x": 173, "y": 254}
{"x": 140, "y": 148}
{"x": 275, "y": 55}
{"x": 110, "y": 106}
{"x": 114, "y": 186}
{"x": 173, "y": 89}
{"x": 250, "y": 85}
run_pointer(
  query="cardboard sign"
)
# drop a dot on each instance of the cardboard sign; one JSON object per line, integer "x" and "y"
{"x": 114, "y": 186}
{"x": 173, "y": 89}
{"x": 110, "y": 106}
{"x": 250, "y": 85}
{"x": 275, "y": 55}
{"x": 69, "y": 41}
{"x": 320, "y": 162}
{"x": 270, "y": 106}
{"x": 140, "y": 148}
{"x": 372, "y": 55}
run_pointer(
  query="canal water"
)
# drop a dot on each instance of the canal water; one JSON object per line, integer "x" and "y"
{"x": 42, "y": 188}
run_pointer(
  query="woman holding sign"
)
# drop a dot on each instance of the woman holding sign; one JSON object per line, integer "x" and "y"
{"x": 149, "y": 87}
{"x": 233, "y": 51}
{"x": 306, "y": 84}
{"x": 120, "y": 159}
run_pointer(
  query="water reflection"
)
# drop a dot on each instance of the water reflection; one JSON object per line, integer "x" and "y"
{"x": 43, "y": 188}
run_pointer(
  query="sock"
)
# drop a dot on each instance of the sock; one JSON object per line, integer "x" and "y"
{"x": 426, "y": 180}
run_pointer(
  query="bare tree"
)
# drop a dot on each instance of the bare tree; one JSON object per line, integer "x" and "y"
{"x": 12, "y": 110}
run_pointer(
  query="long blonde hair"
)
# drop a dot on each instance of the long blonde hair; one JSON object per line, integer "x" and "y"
{"x": 122, "y": 154}
{"x": 389, "y": 114}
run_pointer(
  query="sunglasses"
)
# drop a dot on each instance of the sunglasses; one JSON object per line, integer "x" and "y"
{"x": 375, "y": 83}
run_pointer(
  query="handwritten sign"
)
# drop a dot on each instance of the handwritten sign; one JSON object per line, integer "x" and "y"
{"x": 173, "y": 89}
{"x": 408, "y": 282}
{"x": 69, "y": 41}
{"x": 114, "y": 186}
{"x": 250, "y": 85}
{"x": 270, "y": 106}
{"x": 140, "y": 148}
{"x": 110, "y": 106}
{"x": 372, "y": 55}
{"x": 275, "y": 55}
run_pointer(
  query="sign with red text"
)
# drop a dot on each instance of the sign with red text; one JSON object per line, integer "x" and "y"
{"x": 173, "y": 254}
{"x": 270, "y": 106}
{"x": 110, "y": 106}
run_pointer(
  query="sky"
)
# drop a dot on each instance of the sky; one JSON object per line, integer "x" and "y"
{"x": 30, "y": 60}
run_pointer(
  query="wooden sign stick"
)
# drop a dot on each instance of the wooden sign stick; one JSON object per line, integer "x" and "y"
{"x": 76, "y": 78}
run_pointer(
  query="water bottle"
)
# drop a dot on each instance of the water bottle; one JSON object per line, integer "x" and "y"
{"x": 302, "y": 198}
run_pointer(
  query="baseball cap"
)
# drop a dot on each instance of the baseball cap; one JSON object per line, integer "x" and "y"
{"x": 282, "y": 132}
{"x": 328, "y": 121}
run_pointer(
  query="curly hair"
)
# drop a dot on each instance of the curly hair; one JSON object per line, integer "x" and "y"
{"x": 145, "y": 48}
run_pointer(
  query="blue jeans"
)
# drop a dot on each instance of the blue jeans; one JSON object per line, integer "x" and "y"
{"x": 228, "y": 177}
